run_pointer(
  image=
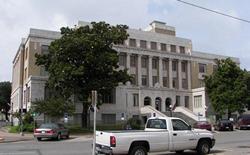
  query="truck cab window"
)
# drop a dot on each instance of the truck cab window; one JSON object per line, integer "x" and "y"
{"x": 157, "y": 124}
{"x": 179, "y": 125}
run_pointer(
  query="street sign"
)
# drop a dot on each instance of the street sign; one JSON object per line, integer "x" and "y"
{"x": 94, "y": 101}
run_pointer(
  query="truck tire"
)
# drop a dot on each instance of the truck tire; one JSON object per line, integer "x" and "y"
{"x": 138, "y": 150}
{"x": 203, "y": 147}
{"x": 179, "y": 151}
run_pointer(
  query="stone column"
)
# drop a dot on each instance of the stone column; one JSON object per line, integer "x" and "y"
{"x": 179, "y": 75}
{"x": 150, "y": 82}
{"x": 139, "y": 70}
{"x": 170, "y": 74}
{"x": 128, "y": 62}
{"x": 189, "y": 74}
{"x": 160, "y": 72}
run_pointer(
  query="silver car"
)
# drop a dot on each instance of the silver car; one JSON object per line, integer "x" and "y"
{"x": 51, "y": 130}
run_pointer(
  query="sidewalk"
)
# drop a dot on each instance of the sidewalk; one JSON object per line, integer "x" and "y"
{"x": 6, "y": 137}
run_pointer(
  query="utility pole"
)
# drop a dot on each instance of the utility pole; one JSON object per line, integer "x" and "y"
{"x": 94, "y": 101}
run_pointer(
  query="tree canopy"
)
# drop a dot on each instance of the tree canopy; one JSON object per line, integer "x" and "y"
{"x": 84, "y": 59}
{"x": 5, "y": 93}
{"x": 228, "y": 88}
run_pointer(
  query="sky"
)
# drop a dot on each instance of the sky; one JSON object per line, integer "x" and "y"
{"x": 209, "y": 32}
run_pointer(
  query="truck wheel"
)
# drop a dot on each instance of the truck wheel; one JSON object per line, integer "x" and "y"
{"x": 179, "y": 151}
{"x": 39, "y": 138}
{"x": 203, "y": 147}
{"x": 138, "y": 150}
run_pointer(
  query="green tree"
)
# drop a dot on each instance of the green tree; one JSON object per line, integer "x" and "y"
{"x": 5, "y": 93}
{"x": 228, "y": 88}
{"x": 84, "y": 59}
{"x": 54, "y": 107}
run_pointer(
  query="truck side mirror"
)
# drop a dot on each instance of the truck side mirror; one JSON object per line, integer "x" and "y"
{"x": 189, "y": 127}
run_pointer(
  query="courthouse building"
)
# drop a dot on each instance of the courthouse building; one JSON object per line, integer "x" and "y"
{"x": 166, "y": 73}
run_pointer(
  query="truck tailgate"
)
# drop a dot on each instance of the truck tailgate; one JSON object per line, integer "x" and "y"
{"x": 103, "y": 138}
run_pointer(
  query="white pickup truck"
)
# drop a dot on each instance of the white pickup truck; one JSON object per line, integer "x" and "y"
{"x": 161, "y": 134}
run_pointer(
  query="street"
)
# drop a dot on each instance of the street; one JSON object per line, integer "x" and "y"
{"x": 227, "y": 143}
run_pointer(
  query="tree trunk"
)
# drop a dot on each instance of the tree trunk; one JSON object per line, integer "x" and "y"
{"x": 229, "y": 114}
{"x": 85, "y": 115}
{"x": 6, "y": 116}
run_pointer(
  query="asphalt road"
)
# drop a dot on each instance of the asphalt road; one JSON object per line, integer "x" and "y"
{"x": 227, "y": 143}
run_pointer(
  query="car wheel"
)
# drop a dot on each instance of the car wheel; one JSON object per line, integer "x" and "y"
{"x": 203, "y": 147}
{"x": 58, "y": 136}
{"x": 179, "y": 151}
{"x": 138, "y": 150}
{"x": 39, "y": 138}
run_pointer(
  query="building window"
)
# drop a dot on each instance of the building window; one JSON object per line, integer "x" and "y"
{"x": 215, "y": 68}
{"x": 201, "y": 83}
{"x": 132, "y": 42}
{"x": 122, "y": 60}
{"x": 174, "y": 83}
{"x": 135, "y": 100}
{"x": 187, "y": 101}
{"x": 202, "y": 68}
{"x": 163, "y": 47}
{"x": 28, "y": 94}
{"x": 132, "y": 61}
{"x": 26, "y": 52}
{"x": 45, "y": 49}
{"x": 183, "y": 67}
{"x": 198, "y": 101}
{"x": 164, "y": 65}
{"x": 108, "y": 97}
{"x": 154, "y": 63}
{"x": 133, "y": 79}
{"x": 144, "y": 80}
{"x": 177, "y": 102}
{"x": 184, "y": 83}
{"x": 174, "y": 65}
{"x": 144, "y": 62}
{"x": 182, "y": 49}
{"x": 25, "y": 73}
{"x": 143, "y": 43}
{"x": 153, "y": 45}
{"x": 108, "y": 118}
{"x": 155, "y": 79}
{"x": 165, "y": 81}
{"x": 173, "y": 48}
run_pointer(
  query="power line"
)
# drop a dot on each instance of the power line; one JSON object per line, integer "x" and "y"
{"x": 217, "y": 12}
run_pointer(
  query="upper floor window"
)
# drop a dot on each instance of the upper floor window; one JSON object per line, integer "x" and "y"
{"x": 144, "y": 62}
{"x": 144, "y": 80}
{"x": 136, "y": 100}
{"x": 133, "y": 79}
{"x": 198, "y": 101}
{"x": 26, "y": 52}
{"x": 174, "y": 65}
{"x": 143, "y": 43}
{"x": 122, "y": 60}
{"x": 154, "y": 64}
{"x": 183, "y": 67}
{"x": 202, "y": 68}
{"x": 132, "y": 42}
{"x": 153, "y": 45}
{"x": 163, "y": 47}
{"x": 132, "y": 60}
{"x": 164, "y": 65}
{"x": 108, "y": 97}
{"x": 44, "y": 49}
{"x": 182, "y": 49}
{"x": 173, "y": 48}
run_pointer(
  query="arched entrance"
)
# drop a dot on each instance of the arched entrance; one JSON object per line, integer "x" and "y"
{"x": 168, "y": 102}
{"x": 147, "y": 101}
{"x": 158, "y": 103}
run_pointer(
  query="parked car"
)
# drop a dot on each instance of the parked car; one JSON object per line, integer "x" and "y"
{"x": 243, "y": 122}
{"x": 203, "y": 125}
{"x": 224, "y": 124}
{"x": 51, "y": 130}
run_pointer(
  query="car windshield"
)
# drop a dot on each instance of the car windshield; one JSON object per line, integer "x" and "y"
{"x": 49, "y": 126}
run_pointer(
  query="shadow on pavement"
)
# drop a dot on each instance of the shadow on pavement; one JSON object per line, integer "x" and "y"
{"x": 212, "y": 152}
